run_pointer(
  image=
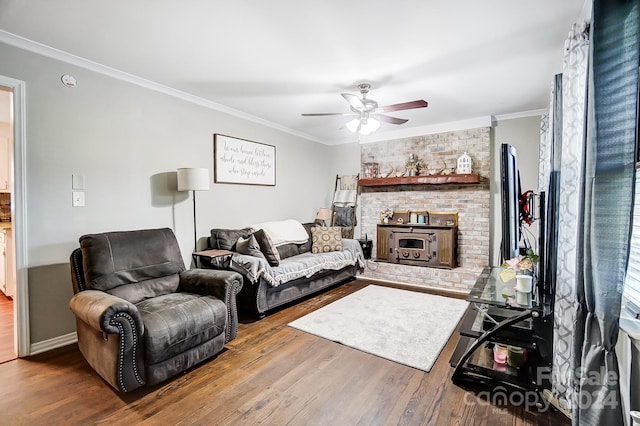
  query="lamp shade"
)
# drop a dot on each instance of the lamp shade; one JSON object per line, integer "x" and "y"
{"x": 363, "y": 125}
{"x": 353, "y": 125}
{"x": 193, "y": 179}
{"x": 369, "y": 126}
{"x": 323, "y": 214}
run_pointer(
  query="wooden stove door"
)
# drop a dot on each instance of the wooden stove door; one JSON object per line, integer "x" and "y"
{"x": 447, "y": 239}
{"x": 382, "y": 244}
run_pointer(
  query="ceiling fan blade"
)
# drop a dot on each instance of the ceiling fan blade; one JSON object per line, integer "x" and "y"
{"x": 330, "y": 113}
{"x": 353, "y": 100}
{"x": 389, "y": 119}
{"x": 405, "y": 105}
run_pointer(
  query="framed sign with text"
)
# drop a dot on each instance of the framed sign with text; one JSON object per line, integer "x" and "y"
{"x": 244, "y": 162}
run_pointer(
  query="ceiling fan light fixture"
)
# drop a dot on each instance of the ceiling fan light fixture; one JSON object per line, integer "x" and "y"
{"x": 365, "y": 125}
{"x": 364, "y": 108}
{"x": 353, "y": 125}
{"x": 370, "y": 126}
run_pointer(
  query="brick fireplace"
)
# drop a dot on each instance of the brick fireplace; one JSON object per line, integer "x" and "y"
{"x": 470, "y": 201}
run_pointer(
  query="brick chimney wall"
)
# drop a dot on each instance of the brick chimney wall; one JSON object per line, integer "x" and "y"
{"x": 470, "y": 201}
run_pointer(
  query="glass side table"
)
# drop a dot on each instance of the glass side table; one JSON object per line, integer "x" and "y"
{"x": 499, "y": 315}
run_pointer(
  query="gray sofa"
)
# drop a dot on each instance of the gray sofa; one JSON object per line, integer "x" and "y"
{"x": 300, "y": 273}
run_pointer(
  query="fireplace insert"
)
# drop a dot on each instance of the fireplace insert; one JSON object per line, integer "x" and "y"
{"x": 419, "y": 245}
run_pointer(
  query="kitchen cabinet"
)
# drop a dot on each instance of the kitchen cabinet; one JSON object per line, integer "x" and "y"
{"x": 3, "y": 262}
{"x": 7, "y": 274}
{"x": 5, "y": 165}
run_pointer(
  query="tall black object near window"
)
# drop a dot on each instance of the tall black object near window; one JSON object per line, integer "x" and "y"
{"x": 510, "y": 194}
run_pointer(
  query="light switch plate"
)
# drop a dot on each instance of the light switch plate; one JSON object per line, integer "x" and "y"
{"x": 77, "y": 181}
{"x": 78, "y": 199}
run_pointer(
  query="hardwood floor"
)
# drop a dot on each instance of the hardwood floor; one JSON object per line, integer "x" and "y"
{"x": 7, "y": 351}
{"x": 271, "y": 374}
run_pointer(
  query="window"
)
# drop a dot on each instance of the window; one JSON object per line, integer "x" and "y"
{"x": 632, "y": 281}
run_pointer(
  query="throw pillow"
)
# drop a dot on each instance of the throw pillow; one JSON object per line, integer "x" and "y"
{"x": 343, "y": 216}
{"x": 288, "y": 250}
{"x": 266, "y": 247}
{"x": 225, "y": 239}
{"x": 306, "y": 247}
{"x": 326, "y": 239}
{"x": 249, "y": 246}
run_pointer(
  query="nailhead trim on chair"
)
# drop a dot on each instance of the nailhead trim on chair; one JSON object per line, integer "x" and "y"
{"x": 231, "y": 298}
{"x": 79, "y": 274}
{"x": 135, "y": 345}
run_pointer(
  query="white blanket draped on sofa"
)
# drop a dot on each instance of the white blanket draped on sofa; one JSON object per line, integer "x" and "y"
{"x": 283, "y": 232}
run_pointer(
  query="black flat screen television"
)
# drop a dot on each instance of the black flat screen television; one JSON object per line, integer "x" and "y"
{"x": 510, "y": 195}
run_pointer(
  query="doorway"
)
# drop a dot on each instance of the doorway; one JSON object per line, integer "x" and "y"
{"x": 8, "y": 349}
{"x": 17, "y": 176}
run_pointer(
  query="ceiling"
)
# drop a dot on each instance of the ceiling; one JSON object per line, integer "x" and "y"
{"x": 273, "y": 60}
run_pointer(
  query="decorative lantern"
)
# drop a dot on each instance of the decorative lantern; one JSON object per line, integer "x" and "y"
{"x": 371, "y": 169}
{"x": 464, "y": 164}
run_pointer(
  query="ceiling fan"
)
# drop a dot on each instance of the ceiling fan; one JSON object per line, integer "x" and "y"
{"x": 368, "y": 114}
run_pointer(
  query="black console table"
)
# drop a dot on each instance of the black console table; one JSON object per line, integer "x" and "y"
{"x": 499, "y": 315}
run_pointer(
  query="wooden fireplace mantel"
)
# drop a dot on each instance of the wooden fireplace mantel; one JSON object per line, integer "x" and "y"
{"x": 471, "y": 178}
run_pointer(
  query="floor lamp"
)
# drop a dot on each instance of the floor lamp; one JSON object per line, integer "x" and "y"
{"x": 193, "y": 179}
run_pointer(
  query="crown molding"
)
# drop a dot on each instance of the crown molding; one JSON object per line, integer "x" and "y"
{"x": 60, "y": 55}
{"x": 522, "y": 114}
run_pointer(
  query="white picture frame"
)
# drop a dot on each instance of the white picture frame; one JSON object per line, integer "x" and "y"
{"x": 244, "y": 162}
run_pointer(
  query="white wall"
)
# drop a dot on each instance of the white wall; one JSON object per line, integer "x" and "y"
{"x": 345, "y": 160}
{"x": 128, "y": 142}
{"x": 524, "y": 135}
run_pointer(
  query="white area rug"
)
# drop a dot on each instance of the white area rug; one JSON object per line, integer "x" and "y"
{"x": 403, "y": 326}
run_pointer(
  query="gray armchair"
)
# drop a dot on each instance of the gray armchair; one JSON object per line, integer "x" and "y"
{"x": 141, "y": 317}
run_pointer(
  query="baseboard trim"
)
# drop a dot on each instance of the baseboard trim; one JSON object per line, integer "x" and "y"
{"x": 457, "y": 294}
{"x": 56, "y": 342}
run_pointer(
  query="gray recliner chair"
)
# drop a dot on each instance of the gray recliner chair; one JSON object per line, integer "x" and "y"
{"x": 141, "y": 317}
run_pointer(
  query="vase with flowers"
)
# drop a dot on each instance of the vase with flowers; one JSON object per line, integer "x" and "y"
{"x": 386, "y": 215}
{"x": 414, "y": 164}
{"x": 523, "y": 267}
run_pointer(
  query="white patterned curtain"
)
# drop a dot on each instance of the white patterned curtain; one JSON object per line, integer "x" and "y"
{"x": 561, "y": 149}
{"x": 592, "y": 153}
{"x": 544, "y": 156}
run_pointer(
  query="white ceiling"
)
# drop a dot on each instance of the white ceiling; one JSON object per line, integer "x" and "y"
{"x": 273, "y": 60}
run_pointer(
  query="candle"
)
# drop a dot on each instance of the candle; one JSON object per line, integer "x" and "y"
{"x": 500, "y": 353}
{"x": 516, "y": 356}
{"x": 524, "y": 283}
{"x": 522, "y": 298}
